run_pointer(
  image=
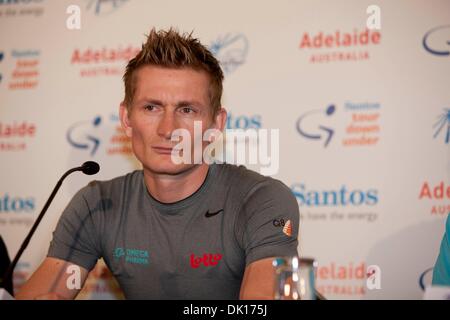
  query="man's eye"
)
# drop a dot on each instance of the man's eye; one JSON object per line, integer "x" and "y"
{"x": 150, "y": 107}
{"x": 187, "y": 110}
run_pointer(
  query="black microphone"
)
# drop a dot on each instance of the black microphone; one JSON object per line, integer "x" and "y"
{"x": 89, "y": 168}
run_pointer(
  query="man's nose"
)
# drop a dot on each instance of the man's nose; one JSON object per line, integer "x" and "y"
{"x": 167, "y": 124}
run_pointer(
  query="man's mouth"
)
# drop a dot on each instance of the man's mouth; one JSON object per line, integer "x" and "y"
{"x": 164, "y": 150}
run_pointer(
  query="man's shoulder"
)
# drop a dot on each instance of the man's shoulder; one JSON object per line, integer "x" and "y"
{"x": 239, "y": 175}
{"x": 247, "y": 182}
{"x": 112, "y": 185}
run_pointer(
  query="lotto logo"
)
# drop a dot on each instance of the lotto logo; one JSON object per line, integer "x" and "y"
{"x": 208, "y": 260}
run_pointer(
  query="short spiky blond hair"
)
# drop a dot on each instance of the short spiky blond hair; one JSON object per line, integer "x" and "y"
{"x": 174, "y": 50}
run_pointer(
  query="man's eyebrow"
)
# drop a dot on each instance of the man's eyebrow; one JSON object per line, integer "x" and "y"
{"x": 182, "y": 103}
{"x": 185, "y": 103}
{"x": 152, "y": 101}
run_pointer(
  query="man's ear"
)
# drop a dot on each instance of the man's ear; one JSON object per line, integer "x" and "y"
{"x": 125, "y": 120}
{"x": 220, "y": 119}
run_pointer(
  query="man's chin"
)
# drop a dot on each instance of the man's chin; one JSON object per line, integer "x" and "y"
{"x": 169, "y": 168}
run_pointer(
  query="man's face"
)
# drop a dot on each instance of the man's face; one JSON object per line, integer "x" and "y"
{"x": 165, "y": 100}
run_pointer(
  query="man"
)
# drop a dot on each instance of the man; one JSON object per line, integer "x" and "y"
{"x": 173, "y": 230}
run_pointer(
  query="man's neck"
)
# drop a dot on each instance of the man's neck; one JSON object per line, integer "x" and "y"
{"x": 172, "y": 188}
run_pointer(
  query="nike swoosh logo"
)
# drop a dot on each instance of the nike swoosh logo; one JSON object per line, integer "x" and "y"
{"x": 212, "y": 214}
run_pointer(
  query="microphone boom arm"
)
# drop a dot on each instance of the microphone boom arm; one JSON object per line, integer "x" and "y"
{"x": 9, "y": 272}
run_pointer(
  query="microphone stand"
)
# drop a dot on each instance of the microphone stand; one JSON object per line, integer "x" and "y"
{"x": 6, "y": 280}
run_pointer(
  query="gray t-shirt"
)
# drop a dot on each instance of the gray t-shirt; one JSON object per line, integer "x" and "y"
{"x": 196, "y": 248}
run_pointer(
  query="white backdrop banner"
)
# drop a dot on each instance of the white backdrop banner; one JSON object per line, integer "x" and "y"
{"x": 363, "y": 117}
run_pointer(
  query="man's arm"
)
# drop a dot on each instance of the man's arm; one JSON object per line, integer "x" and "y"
{"x": 259, "y": 281}
{"x": 49, "y": 281}
{"x": 267, "y": 227}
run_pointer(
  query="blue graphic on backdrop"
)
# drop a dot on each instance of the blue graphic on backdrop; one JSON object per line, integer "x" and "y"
{"x": 230, "y": 50}
{"x": 440, "y": 45}
{"x": 423, "y": 283}
{"x": 1, "y": 58}
{"x": 443, "y": 124}
{"x": 322, "y": 132}
{"x": 104, "y": 6}
{"x": 80, "y": 135}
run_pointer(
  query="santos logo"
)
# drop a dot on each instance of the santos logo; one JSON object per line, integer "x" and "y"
{"x": 16, "y": 204}
{"x": 19, "y": 1}
{"x": 342, "y": 197}
{"x": 243, "y": 122}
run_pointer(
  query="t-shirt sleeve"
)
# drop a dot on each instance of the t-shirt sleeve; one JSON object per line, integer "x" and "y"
{"x": 267, "y": 224}
{"x": 75, "y": 237}
{"x": 441, "y": 272}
